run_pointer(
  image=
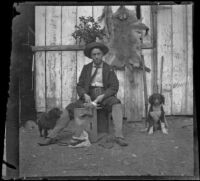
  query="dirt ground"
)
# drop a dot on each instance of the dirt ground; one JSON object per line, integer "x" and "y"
{"x": 157, "y": 154}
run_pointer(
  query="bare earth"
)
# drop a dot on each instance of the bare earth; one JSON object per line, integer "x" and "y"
{"x": 157, "y": 154}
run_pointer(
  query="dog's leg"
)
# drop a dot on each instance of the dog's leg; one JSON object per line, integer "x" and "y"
{"x": 163, "y": 123}
{"x": 166, "y": 123}
{"x": 150, "y": 130}
{"x": 40, "y": 130}
{"x": 150, "y": 125}
{"x": 45, "y": 133}
{"x": 164, "y": 130}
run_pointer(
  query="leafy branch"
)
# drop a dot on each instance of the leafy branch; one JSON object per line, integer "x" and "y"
{"x": 88, "y": 30}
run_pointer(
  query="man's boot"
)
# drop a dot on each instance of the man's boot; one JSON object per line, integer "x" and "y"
{"x": 47, "y": 141}
{"x": 121, "y": 141}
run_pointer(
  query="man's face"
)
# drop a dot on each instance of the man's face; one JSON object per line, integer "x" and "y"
{"x": 96, "y": 55}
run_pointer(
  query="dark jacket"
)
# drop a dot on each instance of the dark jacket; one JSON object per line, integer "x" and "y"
{"x": 110, "y": 81}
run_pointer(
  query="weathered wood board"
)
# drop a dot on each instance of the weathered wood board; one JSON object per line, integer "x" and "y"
{"x": 53, "y": 58}
{"x": 189, "y": 88}
{"x": 133, "y": 96}
{"x": 146, "y": 19}
{"x": 40, "y": 95}
{"x": 97, "y": 12}
{"x": 147, "y": 53}
{"x": 179, "y": 60}
{"x": 69, "y": 18}
{"x": 114, "y": 8}
{"x": 68, "y": 58}
{"x": 40, "y": 98}
{"x": 165, "y": 49}
{"x": 68, "y": 78}
{"x": 53, "y": 79}
{"x": 40, "y": 29}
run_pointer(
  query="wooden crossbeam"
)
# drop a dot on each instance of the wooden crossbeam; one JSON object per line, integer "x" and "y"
{"x": 71, "y": 47}
{"x": 58, "y": 48}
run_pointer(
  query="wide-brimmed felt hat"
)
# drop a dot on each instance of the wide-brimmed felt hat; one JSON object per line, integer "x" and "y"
{"x": 90, "y": 46}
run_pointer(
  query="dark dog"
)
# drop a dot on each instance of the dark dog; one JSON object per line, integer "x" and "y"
{"x": 156, "y": 115}
{"x": 48, "y": 121}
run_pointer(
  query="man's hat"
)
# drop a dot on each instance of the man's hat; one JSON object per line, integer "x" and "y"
{"x": 90, "y": 46}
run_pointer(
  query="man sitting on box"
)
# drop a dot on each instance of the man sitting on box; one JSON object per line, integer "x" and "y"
{"x": 98, "y": 84}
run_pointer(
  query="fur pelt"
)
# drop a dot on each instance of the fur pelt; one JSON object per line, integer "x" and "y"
{"x": 124, "y": 32}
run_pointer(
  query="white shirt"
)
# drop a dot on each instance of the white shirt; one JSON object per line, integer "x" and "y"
{"x": 98, "y": 79}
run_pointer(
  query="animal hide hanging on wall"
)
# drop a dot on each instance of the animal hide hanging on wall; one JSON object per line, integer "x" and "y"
{"x": 124, "y": 32}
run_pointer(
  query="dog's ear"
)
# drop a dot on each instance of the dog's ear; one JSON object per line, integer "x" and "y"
{"x": 162, "y": 99}
{"x": 151, "y": 99}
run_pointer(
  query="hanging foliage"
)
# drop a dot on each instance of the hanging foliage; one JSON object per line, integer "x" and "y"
{"x": 88, "y": 30}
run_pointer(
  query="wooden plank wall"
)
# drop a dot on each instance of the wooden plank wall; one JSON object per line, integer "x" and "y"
{"x": 58, "y": 71}
{"x": 175, "y": 44}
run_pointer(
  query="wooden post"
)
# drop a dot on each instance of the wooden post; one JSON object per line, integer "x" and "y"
{"x": 145, "y": 89}
{"x": 33, "y": 72}
{"x": 161, "y": 72}
{"x": 19, "y": 121}
{"x": 155, "y": 49}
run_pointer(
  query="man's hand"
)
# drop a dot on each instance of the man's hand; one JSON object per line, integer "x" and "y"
{"x": 87, "y": 98}
{"x": 99, "y": 98}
